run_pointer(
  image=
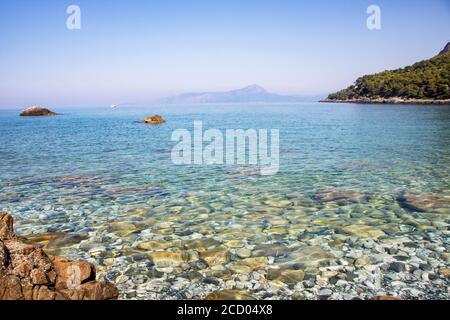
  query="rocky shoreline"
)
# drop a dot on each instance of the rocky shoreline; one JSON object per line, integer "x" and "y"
{"x": 28, "y": 273}
{"x": 364, "y": 100}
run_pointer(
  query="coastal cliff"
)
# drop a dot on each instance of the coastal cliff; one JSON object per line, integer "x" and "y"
{"x": 425, "y": 82}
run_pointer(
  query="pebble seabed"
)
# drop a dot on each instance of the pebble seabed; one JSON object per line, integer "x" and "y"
{"x": 216, "y": 244}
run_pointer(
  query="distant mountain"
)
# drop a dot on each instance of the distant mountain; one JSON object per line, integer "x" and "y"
{"x": 253, "y": 93}
{"x": 426, "y": 81}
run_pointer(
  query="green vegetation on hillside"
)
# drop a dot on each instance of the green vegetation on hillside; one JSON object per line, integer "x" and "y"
{"x": 428, "y": 79}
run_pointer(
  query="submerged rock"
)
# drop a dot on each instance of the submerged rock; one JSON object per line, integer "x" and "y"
{"x": 54, "y": 242}
{"x": 243, "y": 253}
{"x": 42, "y": 238}
{"x": 28, "y": 273}
{"x": 270, "y": 250}
{"x": 153, "y": 245}
{"x": 202, "y": 244}
{"x": 362, "y": 231}
{"x": 37, "y": 111}
{"x": 253, "y": 263}
{"x": 340, "y": 195}
{"x": 303, "y": 257}
{"x": 122, "y": 228}
{"x": 164, "y": 259}
{"x": 324, "y": 293}
{"x": 287, "y": 276}
{"x": 423, "y": 201}
{"x": 445, "y": 272}
{"x": 216, "y": 256}
{"x": 156, "y": 119}
{"x": 230, "y": 295}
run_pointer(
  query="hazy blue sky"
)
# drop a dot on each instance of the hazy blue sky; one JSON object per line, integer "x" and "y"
{"x": 139, "y": 50}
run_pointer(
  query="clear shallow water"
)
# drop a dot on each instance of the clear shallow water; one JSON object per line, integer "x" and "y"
{"x": 100, "y": 174}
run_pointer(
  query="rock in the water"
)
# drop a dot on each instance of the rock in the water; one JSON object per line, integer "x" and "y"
{"x": 216, "y": 256}
{"x": 243, "y": 253}
{"x": 164, "y": 259}
{"x": 43, "y": 238}
{"x": 339, "y": 196}
{"x": 286, "y": 276}
{"x": 324, "y": 293}
{"x": 303, "y": 257}
{"x": 423, "y": 201}
{"x": 445, "y": 272}
{"x": 254, "y": 263}
{"x": 28, "y": 273}
{"x": 37, "y": 111}
{"x": 235, "y": 244}
{"x": 153, "y": 245}
{"x": 202, "y": 244}
{"x": 122, "y": 228}
{"x": 397, "y": 267}
{"x": 362, "y": 231}
{"x": 230, "y": 295}
{"x": 362, "y": 261}
{"x": 270, "y": 250}
{"x": 54, "y": 242}
{"x": 156, "y": 119}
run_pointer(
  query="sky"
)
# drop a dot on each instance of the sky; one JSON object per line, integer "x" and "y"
{"x": 143, "y": 50}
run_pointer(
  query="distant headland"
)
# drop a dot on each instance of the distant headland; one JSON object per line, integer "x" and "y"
{"x": 425, "y": 82}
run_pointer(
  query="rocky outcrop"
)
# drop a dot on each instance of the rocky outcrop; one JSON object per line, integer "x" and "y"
{"x": 28, "y": 273}
{"x": 157, "y": 119}
{"x": 424, "y": 82}
{"x": 6, "y": 226}
{"x": 37, "y": 111}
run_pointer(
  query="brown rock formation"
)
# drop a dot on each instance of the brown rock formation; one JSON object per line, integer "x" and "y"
{"x": 37, "y": 111}
{"x": 157, "y": 119}
{"x": 28, "y": 273}
{"x": 6, "y": 226}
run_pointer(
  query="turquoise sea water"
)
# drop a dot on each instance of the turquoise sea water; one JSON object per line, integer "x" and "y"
{"x": 85, "y": 171}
